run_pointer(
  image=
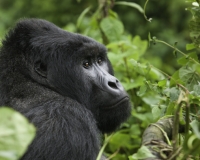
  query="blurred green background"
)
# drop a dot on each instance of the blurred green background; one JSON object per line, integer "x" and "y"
{"x": 170, "y": 23}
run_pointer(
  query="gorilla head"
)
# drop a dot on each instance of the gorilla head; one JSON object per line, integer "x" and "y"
{"x": 47, "y": 72}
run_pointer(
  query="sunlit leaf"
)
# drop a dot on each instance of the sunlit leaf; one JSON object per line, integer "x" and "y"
{"x": 189, "y": 76}
{"x": 112, "y": 28}
{"x": 184, "y": 60}
{"x": 190, "y": 46}
{"x": 142, "y": 153}
{"x": 16, "y": 133}
{"x": 196, "y": 127}
{"x": 142, "y": 90}
{"x": 162, "y": 83}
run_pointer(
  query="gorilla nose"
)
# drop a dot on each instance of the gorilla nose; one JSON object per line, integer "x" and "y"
{"x": 113, "y": 85}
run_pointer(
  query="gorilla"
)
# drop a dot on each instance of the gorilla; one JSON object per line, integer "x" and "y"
{"x": 64, "y": 84}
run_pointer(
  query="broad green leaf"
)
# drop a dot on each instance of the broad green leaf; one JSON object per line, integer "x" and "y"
{"x": 174, "y": 94}
{"x": 158, "y": 111}
{"x": 184, "y": 60}
{"x": 142, "y": 90}
{"x": 141, "y": 45}
{"x": 138, "y": 67}
{"x": 142, "y": 153}
{"x": 16, "y": 133}
{"x": 162, "y": 83}
{"x": 196, "y": 127}
{"x": 131, "y": 4}
{"x": 119, "y": 140}
{"x": 139, "y": 81}
{"x": 151, "y": 99}
{"x": 189, "y": 76}
{"x": 197, "y": 90}
{"x": 135, "y": 130}
{"x": 190, "y": 46}
{"x": 112, "y": 28}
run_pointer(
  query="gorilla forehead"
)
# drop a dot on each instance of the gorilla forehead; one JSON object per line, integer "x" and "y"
{"x": 47, "y": 35}
{"x": 44, "y": 37}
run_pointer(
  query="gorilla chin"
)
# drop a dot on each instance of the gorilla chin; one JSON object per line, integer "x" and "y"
{"x": 109, "y": 118}
{"x": 120, "y": 103}
{"x": 65, "y": 85}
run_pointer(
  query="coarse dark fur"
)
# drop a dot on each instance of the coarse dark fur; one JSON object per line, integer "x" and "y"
{"x": 63, "y": 83}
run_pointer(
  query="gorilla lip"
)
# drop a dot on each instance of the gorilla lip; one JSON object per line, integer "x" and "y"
{"x": 116, "y": 104}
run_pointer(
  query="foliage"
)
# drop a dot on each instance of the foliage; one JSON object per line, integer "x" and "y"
{"x": 154, "y": 93}
{"x": 16, "y": 133}
{"x": 157, "y": 86}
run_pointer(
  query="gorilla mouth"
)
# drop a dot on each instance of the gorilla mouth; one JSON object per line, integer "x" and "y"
{"x": 121, "y": 101}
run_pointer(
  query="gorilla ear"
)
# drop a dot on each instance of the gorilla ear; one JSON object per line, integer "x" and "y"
{"x": 41, "y": 68}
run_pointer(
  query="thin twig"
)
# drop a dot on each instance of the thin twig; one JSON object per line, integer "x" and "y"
{"x": 163, "y": 42}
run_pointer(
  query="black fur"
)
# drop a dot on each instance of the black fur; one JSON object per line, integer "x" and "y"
{"x": 64, "y": 84}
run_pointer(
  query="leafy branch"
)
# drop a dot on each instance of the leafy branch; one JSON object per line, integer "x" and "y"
{"x": 155, "y": 40}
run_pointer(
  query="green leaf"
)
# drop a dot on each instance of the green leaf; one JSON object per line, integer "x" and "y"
{"x": 80, "y": 18}
{"x": 140, "y": 68}
{"x": 190, "y": 46}
{"x": 184, "y": 60}
{"x": 196, "y": 128}
{"x": 131, "y": 4}
{"x": 158, "y": 111}
{"x": 174, "y": 94}
{"x": 142, "y": 90}
{"x": 137, "y": 82}
{"x": 162, "y": 83}
{"x": 189, "y": 76}
{"x": 112, "y": 28}
{"x": 16, "y": 133}
{"x": 119, "y": 140}
{"x": 141, "y": 45}
{"x": 170, "y": 108}
{"x": 197, "y": 90}
{"x": 142, "y": 153}
{"x": 175, "y": 79}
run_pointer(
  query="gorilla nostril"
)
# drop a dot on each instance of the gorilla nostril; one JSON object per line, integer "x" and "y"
{"x": 112, "y": 85}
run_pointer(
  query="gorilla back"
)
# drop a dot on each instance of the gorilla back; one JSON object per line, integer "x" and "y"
{"x": 64, "y": 84}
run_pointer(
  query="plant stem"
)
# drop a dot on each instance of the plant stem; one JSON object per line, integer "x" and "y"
{"x": 145, "y": 5}
{"x": 163, "y": 42}
{"x": 103, "y": 147}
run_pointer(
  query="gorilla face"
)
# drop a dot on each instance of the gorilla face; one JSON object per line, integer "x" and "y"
{"x": 83, "y": 72}
{"x": 74, "y": 66}
{"x": 79, "y": 68}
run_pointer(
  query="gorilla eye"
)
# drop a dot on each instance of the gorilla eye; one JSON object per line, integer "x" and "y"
{"x": 100, "y": 60}
{"x": 86, "y": 64}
